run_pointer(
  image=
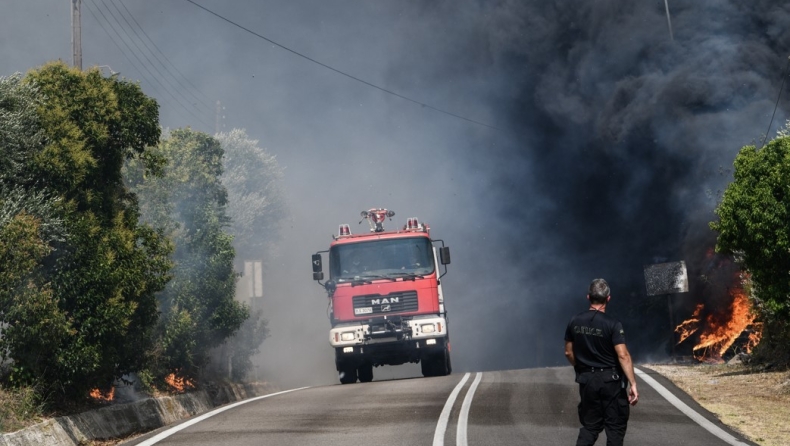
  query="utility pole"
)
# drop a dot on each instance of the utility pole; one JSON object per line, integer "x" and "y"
{"x": 76, "y": 34}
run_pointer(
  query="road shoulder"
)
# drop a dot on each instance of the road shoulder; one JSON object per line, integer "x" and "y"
{"x": 658, "y": 373}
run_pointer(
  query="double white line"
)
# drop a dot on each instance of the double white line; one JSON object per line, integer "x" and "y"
{"x": 463, "y": 417}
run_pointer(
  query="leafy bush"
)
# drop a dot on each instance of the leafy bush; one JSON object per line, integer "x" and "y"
{"x": 754, "y": 222}
{"x": 754, "y": 225}
{"x": 79, "y": 303}
{"x": 188, "y": 203}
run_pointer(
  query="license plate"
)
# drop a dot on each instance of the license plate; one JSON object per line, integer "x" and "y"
{"x": 365, "y": 310}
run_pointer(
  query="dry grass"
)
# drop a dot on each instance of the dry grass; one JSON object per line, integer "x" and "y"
{"x": 19, "y": 408}
{"x": 113, "y": 441}
{"x": 755, "y": 403}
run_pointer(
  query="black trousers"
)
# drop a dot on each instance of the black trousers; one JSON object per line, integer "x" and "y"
{"x": 604, "y": 405}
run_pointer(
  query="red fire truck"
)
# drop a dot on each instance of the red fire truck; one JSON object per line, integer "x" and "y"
{"x": 386, "y": 305}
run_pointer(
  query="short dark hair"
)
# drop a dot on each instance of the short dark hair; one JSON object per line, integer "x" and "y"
{"x": 599, "y": 291}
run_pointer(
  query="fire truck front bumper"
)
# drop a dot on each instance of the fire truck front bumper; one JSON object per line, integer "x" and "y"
{"x": 418, "y": 331}
{"x": 388, "y": 341}
{"x": 389, "y": 353}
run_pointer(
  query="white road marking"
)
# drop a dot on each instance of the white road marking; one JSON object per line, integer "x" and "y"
{"x": 460, "y": 435}
{"x": 162, "y": 435}
{"x": 691, "y": 413}
{"x": 441, "y": 425}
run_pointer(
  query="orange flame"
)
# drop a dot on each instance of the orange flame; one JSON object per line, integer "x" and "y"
{"x": 98, "y": 395}
{"x": 689, "y": 326}
{"x": 179, "y": 383}
{"x": 721, "y": 330}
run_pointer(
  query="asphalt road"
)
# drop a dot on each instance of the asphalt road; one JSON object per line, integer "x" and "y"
{"x": 517, "y": 407}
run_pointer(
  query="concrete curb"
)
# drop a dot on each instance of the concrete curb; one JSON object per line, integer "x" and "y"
{"x": 121, "y": 420}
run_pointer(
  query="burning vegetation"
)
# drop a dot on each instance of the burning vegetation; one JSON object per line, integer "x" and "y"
{"x": 103, "y": 396}
{"x": 718, "y": 328}
{"x": 179, "y": 383}
{"x": 176, "y": 384}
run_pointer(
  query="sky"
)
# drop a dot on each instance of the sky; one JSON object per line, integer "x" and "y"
{"x": 590, "y": 142}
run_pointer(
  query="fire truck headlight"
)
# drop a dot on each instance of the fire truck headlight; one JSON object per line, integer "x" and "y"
{"x": 428, "y": 328}
{"x": 347, "y": 336}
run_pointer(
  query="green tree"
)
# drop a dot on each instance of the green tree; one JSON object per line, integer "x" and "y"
{"x": 189, "y": 203}
{"x": 21, "y": 134}
{"x": 246, "y": 343}
{"x": 754, "y": 225}
{"x": 256, "y": 206}
{"x": 21, "y": 138}
{"x": 34, "y": 324}
{"x": 96, "y": 282}
{"x": 256, "y": 203}
{"x": 29, "y": 225}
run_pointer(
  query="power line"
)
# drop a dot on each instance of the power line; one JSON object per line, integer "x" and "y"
{"x": 120, "y": 49}
{"x": 167, "y": 90}
{"x": 153, "y": 65}
{"x": 154, "y": 53}
{"x": 343, "y": 73}
{"x": 101, "y": 23}
{"x": 143, "y": 64}
{"x": 784, "y": 75}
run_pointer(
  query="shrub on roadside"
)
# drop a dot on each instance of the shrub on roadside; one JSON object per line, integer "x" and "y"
{"x": 19, "y": 408}
{"x": 772, "y": 350}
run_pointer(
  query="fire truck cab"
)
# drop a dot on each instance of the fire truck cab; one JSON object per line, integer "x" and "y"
{"x": 386, "y": 305}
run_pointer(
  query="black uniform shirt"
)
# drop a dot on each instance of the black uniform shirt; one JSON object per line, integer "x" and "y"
{"x": 594, "y": 335}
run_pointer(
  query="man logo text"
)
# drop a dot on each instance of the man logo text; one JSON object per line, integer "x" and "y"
{"x": 385, "y": 300}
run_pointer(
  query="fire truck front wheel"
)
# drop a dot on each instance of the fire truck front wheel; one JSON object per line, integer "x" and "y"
{"x": 348, "y": 375}
{"x": 437, "y": 364}
{"x": 365, "y": 373}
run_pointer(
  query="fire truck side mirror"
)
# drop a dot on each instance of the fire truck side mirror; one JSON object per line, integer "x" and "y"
{"x": 444, "y": 255}
{"x": 318, "y": 273}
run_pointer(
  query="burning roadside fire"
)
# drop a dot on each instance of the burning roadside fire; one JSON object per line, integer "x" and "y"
{"x": 179, "y": 383}
{"x": 720, "y": 330}
{"x": 98, "y": 395}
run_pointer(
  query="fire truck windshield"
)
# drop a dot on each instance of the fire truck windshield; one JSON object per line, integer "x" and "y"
{"x": 383, "y": 258}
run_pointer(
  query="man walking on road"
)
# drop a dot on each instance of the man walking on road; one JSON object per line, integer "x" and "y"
{"x": 595, "y": 347}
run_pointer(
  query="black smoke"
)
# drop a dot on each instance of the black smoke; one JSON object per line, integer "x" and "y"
{"x": 618, "y": 142}
{"x": 610, "y": 143}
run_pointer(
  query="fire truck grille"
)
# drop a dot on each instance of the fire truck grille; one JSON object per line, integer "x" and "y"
{"x": 400, "y": 302}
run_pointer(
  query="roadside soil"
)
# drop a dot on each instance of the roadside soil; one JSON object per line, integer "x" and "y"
{"x": 752, "y": 401}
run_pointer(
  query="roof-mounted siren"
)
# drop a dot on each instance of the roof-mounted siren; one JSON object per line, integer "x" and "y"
{"x": 412, "y": 224}
{"x": 375, "y": 218}
{"x": 344, "y": 230}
